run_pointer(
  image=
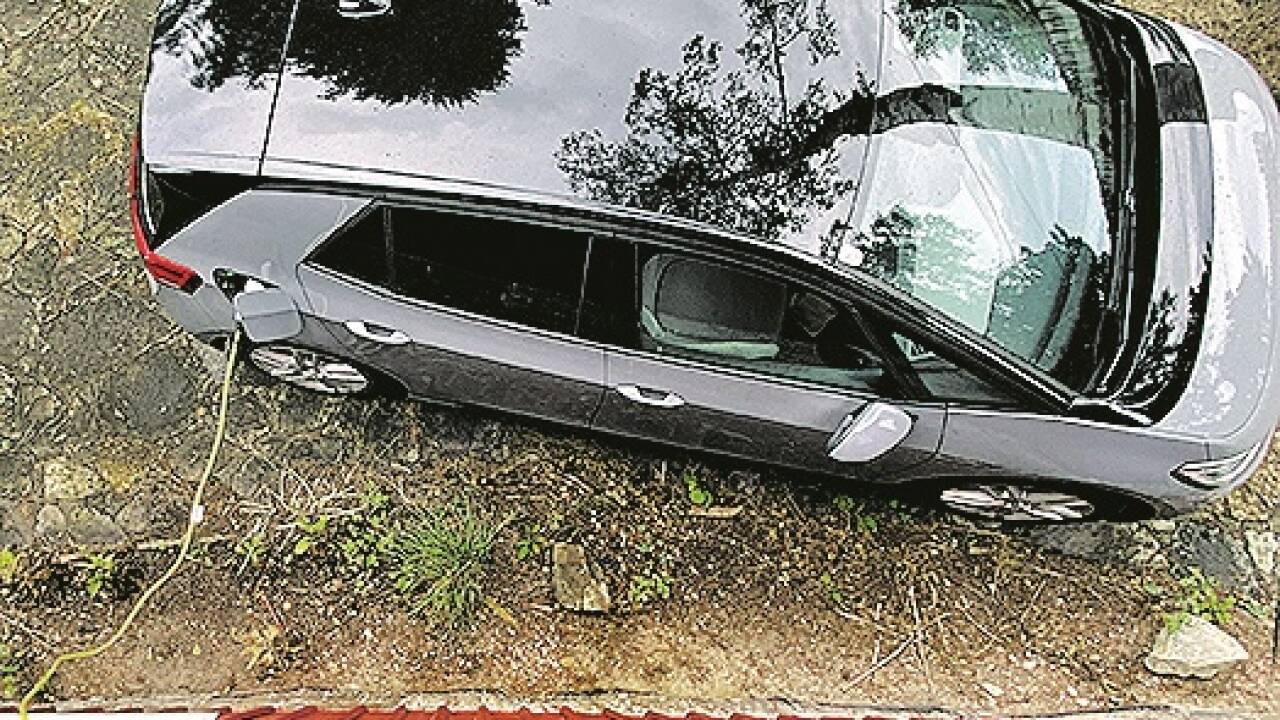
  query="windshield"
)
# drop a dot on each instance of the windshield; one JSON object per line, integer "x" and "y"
{"x": 992, "y": 191}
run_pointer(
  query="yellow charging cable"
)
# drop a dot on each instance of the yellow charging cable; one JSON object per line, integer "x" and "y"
{"x": 197, "y": 512}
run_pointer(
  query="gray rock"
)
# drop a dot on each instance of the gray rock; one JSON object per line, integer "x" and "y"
{"x": 576, "y": 586}
{"x": 1216, "y": 553}
{"x": 8, "y": 394}
{"x": 15, "y": 319}
{"x": 17, "y": 474}
{"x": 44, "y": 407}
{"x": 157, "y": 394}
{"x": 1100, "y": 541}
{"x": 50, "y": 522}
{"x": 1196, "y": 649}
{"x": 90, "y": 527}
{"x": 1263, "y": 547}
{"x": 65, "y": 480}
{"x": 9, "y": 534}
{"x": 135, "y": 517}
{"x": 17, "y": 524}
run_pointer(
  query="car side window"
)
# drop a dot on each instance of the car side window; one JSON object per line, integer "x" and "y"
{"x": 359, "y": 251}
{"x": 718, "y": 313}
{"x": 947, "y": 381}
{"x": 522, "y": 272}
{"x": 517, "y": 271}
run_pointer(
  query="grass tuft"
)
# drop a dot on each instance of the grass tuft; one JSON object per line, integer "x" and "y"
{"x": 440, "y": 558}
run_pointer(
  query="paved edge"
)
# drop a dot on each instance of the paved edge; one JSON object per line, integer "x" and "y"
{"x": 604, "y": 701}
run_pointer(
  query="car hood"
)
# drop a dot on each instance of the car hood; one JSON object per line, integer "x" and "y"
{"x": 1229, "y": 398}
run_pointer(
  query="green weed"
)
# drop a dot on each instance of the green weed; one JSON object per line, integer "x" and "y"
{"x": 313, "y": 530}
{"x": 10, "y": 667}
{"x": 365, "y": 539}
{"x": 1203, "y": 597}
{"x": 698, "y": 495}
{"x": 9, "y": 564}
{"x": 532, "y": 542}
{"x": 440, "y": 561}
{"x": 832, "y": 590}
{"x": 646, "y": 589}
{"x": 101, "y": 571}
{"x": 855, "y": 515}
{"x": 252, "y": 548}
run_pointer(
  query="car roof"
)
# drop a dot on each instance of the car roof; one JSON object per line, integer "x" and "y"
{"x": 751, "y": 121}
{"x": 505, "y": 94}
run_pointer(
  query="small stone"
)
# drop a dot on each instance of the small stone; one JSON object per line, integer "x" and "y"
{"x": 65, "y": 480}
{"x": 43, "y": 408}
{"x": 90, "y": 527}
{"x": 1163, "y": 525}
{"x": 1195, "y": 649}
{"x": 17, "y": 524}
{"x": 576, "y": 586}
{"x": 1263, "y": 547}
{"x": 50, "y": 521}
{"x": 716, "y": 512}
{"x": 135, "y": 517}
{"x": 994, "y": 691}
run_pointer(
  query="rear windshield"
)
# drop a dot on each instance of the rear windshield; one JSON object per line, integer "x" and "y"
{"x": 993, "y": 181}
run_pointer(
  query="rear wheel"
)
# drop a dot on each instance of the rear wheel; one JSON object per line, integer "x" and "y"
{"x": 1013, "y": 503}
{"x": 311, "y": 370}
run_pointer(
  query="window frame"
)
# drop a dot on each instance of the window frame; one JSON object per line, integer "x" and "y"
{"x": 862, "y": 299}
{"x": 877, "y": 326}
{"x": 385, "y": 205}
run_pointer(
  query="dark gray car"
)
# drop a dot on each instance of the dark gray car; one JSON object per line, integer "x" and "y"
{"x": 1015, "y": 254}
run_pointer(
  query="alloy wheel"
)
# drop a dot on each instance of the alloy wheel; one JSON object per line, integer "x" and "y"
{"x": 1012, "y": 503}
{"x": 309, "y": 370}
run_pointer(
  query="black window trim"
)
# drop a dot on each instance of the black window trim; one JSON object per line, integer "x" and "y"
{"x": 1033, "y": 390}
{"x": 878, "y": 327}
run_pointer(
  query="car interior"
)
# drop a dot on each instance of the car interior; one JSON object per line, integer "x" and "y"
{"x": 732, "y": 317}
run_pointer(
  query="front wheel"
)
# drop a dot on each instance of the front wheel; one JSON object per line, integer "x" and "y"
{"x": 311, "y": 370}
{"x": 1018, "y": 503}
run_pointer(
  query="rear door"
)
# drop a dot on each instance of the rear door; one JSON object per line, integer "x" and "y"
{"x": 713, "y": 355}
{"x": 464, "y": 308}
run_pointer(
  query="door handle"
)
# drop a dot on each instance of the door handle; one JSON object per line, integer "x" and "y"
{"x": 656, "y": 398}
{"x": 376, "y": 333}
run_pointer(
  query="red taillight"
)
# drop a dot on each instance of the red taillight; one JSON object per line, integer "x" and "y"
{"x": 171, "y": 273}
{"x": 161, "y": 268}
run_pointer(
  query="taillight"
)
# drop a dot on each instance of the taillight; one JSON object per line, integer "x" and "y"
{"x": 164, "y": 270}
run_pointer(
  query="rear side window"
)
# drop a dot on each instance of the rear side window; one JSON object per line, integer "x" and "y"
{"x": 172, "y": 201}
{"x": 521, "y": 272}
{"x": 360, "y": 251}
{"x": 530, "y": 274}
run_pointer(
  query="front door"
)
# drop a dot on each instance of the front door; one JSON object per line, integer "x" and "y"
{"x": 709, "y": 355}
{"x": 464, "y": 308}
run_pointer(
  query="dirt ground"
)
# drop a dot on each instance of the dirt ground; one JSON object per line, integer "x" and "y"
{"x": 809, "y": 594}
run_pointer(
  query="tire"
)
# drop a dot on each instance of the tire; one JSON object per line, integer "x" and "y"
{"x": 316, "y": 371}
{"x": 1014, "y": 502}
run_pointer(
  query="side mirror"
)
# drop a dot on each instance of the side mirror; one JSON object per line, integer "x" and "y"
{"x": 267, "y": 315}
{"x": 869, "y": 433}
